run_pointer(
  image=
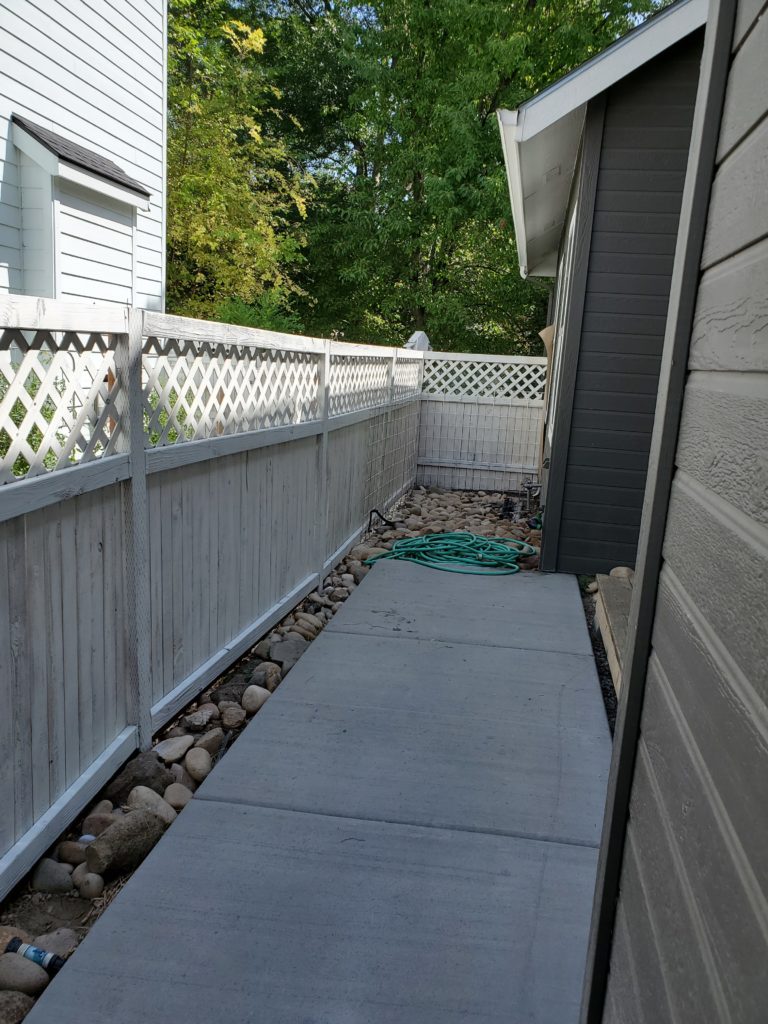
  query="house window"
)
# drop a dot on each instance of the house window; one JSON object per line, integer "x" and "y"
{"x": 78, "y": 219}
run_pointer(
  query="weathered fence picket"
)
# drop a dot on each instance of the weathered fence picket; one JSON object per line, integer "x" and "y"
{"x": 174, "y": 487}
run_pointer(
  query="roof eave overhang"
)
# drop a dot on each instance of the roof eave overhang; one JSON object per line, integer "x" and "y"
{"x": 75, "y": 175}
{"x": 548, "y": 127}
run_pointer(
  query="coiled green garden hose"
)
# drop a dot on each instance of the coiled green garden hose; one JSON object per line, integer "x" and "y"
{"x": 461, "y": 552}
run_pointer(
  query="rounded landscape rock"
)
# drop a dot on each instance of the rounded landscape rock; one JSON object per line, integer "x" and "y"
{"x": 254, "y": 698}
{"x": 17, "y": 974}
{"x": 91, "y": 886}
{"x": 98, "y": 821}
{"x": 52, "y": 877}
{"x": 62, "y": 941}
{"x": 174, "y": 749}
{"x": 70, "y": 852}
{"x": 8, "y": 932}
{"x": 177, "y": 796}
{"x": 142, "y": 798}
{"x": 126, "y": 843}
{"x": 231, "y": 718}
{"x": 268, "y": 675}
{"x": 210, "y": 741}
{"x": 198, "y": 761}
{"x": 79, "y": 874}
{"x": 14, "y": 1006}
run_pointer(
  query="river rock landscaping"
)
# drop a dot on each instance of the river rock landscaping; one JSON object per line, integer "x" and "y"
{"x": 71, "y": 886}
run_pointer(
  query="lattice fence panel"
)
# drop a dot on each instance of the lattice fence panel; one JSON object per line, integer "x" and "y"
{"x": 407, "y": 380}
{"x": 481, "y": 379}
{"x": 195, "y": 390}
{"x": 60, "y": 401}
{"x": 358, "y": 382}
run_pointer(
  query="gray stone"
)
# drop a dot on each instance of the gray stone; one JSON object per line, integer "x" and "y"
{"x": 210, "y": 741}
{"x": 210, "y": 706}
{"x": 91, "y": 886}
{"x": 102, "y": 807}
{"x": 268, "y": 675}
{"x": 98, "y": 822}
{"x": 310, "y": 619}
{"x": 142, "y": 798}
{"x": 287, "y": 652}
{"x": 198, "y": 761}
{"x": 232, "y": 690}
{"x": 359, "y": 572}
{"x": 17, "y": 974}
{"x": 79, "y": 874}
{"x": 302, "y": 631}
{"x": 144, "y": 770}
{"x": 180, "y": 774}
{"x": 622, "y": 572}
{"x": 8, "y": 932}
{"x": 172, "y": 750}
{"x": 50, "y": 876}
{"x": 70, "y": 852}
{"x": 199, "y": 720}
{"x": 125, "y": 844}
{"x": 232, "y": 717}
{"x": 254, "y": 698}
{"x": 177, "y": 796}
{"x": 14, "y": 1006}
{"x": 261, "y": 649}
{"x": 62, "y": 941}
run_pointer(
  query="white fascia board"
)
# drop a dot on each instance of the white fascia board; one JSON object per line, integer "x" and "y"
{"x": 94, "y": 182}
{"x": 511, "y": 146}
{"x": 57, "y": 168}
{"x": 35, "y": 150}
{"x": 601, "y": 72}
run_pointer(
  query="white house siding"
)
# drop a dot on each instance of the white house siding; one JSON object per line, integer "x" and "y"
{"x": 93, "y": 71}
{"x": 95, "y": 247}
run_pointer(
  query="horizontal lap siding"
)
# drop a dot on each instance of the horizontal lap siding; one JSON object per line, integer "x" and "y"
{"x": 95, "y": 73}
{"x": 639, "y": 189}
{"x": 694, "y": 885}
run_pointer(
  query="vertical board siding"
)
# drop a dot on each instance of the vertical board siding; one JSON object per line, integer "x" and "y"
{"x": 61, "y": 596}
{"x": 646, "y": 134}
{"x": 697, "y": 827}
{"x": 94, "y": 73}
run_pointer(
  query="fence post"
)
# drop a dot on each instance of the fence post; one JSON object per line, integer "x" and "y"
{"x": 324, "y": 407}
{"x": 128, "y": 363}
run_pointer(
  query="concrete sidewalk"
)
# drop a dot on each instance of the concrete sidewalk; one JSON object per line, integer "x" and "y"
{"x": 406, "y": 834}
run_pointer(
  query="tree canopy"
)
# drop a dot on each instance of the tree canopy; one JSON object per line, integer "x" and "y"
{"x": 336, "y": 167}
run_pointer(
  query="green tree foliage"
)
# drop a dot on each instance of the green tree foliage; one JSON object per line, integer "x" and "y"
{"x": 235, "y": 198}
{"x": 390, "y": 107}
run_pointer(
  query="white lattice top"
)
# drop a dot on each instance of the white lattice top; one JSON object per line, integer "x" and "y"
{"x": 483, "y": 378}
{"x": 196, "y": 390}
{"x": 59, "y": 400}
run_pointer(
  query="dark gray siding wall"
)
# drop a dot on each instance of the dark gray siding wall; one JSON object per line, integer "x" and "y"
{"x": 646, "y": 135}
{"x": 691, "y": 935}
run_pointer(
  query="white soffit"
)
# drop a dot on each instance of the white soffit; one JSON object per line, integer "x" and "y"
{"x": 541, "y": 138}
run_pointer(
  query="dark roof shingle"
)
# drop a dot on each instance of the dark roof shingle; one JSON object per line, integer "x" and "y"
{"x": 78, "y": 155}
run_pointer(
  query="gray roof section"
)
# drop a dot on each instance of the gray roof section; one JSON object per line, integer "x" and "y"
{"x": 78, "y": 155}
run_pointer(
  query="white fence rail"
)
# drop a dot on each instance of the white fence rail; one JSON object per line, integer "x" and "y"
{"x": 171, "y": 488}
{"x": 481, "y": 420}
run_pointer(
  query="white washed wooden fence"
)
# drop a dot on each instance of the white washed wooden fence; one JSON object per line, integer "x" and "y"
{"x": 481, "y": 420}
{"x": 170, "y": 489}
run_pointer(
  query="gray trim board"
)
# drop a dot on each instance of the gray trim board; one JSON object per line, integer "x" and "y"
{"x": 584, "y": 197}
{"x": 685, "y": 280}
